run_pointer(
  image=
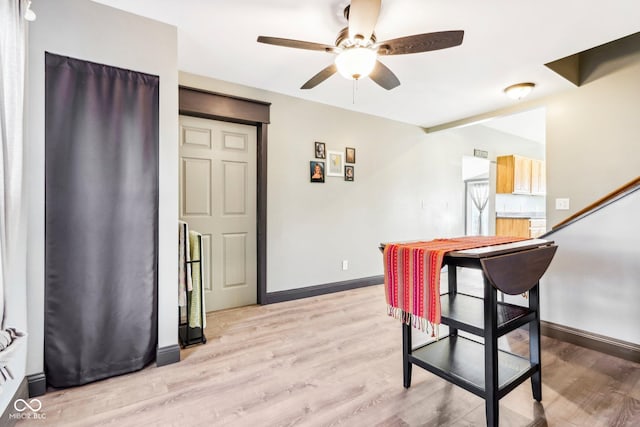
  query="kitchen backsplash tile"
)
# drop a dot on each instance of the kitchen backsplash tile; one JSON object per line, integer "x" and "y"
{"x": 516, "y": 203}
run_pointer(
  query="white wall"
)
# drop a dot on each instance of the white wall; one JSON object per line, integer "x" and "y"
{"x": 313, "y": 227}
{"x": 593, "y": 135}
{"x": 592, "y": 149}
{"x": 461, "y": 142}
{"x": 593, "y": 283}
{"x": 90, "y": 31}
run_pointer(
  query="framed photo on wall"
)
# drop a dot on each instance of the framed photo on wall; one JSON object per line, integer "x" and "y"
{"x": 316, "y": 171}
{"x": 320, "y": 152}
{"x": 350, "y": 155}
{"x": 335, "y": 163}
{"x": 348, "y": 173}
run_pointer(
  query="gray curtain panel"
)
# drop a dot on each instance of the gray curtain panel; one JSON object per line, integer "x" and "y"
{"x": 101, "y": 220}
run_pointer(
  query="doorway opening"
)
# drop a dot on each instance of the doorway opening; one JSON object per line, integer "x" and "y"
{"x": 218, "y": 200}
{"x": 475, "y": 174}
{"x": 226, "y": 108}
{"x": 477, "y": 212}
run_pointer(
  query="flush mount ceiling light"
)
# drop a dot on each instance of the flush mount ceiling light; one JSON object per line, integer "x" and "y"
{"x": 520, "y": 90}
{"x": 29, "y": 14}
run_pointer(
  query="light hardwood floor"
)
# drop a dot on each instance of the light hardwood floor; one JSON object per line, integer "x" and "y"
{"x": 336, "y": 360}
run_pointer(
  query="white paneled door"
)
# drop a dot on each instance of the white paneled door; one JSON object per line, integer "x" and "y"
{"x": 218, "y": 199}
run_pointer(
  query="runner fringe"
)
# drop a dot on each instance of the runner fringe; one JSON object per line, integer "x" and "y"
{"x": 414, "y": 321}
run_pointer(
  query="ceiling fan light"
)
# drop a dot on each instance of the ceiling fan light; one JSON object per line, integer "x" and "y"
{"x": 356, "y": 62}
{"x": 520, "y": 90}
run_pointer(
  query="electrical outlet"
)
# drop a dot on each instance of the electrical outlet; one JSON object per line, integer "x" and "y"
{"x": 562, "y": 204}
{"x": 345, "y": 264}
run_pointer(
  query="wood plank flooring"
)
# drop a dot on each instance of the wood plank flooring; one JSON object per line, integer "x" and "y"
{"x": 336, "y": 360}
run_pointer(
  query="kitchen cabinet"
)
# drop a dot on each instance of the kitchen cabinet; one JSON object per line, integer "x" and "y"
{"x": 520, "y": 175}
{"x": 521, "y": 227}
{"x": 538, "y": 177}
{"x": 537, "y": 227}
{"x": 513, "y": 175}
{"x": 517, "y": 227}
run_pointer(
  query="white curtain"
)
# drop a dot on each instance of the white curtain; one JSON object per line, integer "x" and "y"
{"x": 479, "y": 193}
{"x": 12, "y": 80}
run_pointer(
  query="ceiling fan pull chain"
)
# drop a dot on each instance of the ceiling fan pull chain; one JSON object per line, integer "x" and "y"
{"x": 353, "y": 91}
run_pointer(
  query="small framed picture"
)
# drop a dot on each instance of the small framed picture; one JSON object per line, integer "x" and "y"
{"x": 348, "y": 173}
{"x": 335, "y": 163}
{"x": 320, "y": 152}
{"x": 350, "y": 155}
{"x": 316, "y": 171}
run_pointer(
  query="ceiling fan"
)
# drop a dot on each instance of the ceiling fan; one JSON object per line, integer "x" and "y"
{"x": 357, "y": 48}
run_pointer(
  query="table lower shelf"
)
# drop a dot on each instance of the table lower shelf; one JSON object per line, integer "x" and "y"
{"x": 461, "y": 361}
{"x": 466, "y": 312}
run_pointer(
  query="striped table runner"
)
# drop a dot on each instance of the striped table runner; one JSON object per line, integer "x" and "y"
{"x": 412, "y": 276}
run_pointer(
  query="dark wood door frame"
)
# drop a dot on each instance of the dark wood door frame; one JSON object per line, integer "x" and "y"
{"x": 211, "y": 105}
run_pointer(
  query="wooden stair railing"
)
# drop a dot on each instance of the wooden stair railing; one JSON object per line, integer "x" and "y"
{"x": 600, "y": 203}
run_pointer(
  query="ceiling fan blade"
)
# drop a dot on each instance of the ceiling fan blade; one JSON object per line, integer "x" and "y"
{"x": 384, "y": 76}
{"x": 421, "y": 43}
{"x": 298, "y": 44}
{"x": 320, "y": 77}
{"x": 363, "y": 15}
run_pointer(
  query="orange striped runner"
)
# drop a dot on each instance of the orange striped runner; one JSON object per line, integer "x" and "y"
{"x": 412, "y": 276}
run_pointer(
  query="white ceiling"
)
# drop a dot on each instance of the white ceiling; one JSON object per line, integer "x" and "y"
{"x": 506, "y": 42}
{"x": 529, "y": 124}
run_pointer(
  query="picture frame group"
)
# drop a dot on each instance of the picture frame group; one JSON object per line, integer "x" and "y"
{"x": 338, "y": 164}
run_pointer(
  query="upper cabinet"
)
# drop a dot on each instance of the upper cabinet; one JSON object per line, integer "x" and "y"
{"x": 538, "y": 177}
{"x": 520, "y": 175}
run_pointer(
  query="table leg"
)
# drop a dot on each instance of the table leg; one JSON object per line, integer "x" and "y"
{"x": 534, "y": 342}
{"x": 452, "y": 279}
{"x": 492, "y": 412}
{"x": 406, "y": 351}
{"x": 491, "y": 354}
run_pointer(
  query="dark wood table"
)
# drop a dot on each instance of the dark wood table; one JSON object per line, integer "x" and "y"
{"x": 482, "y": 368}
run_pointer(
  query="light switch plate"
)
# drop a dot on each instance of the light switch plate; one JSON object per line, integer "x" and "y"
{"x": 562, "y": 204}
